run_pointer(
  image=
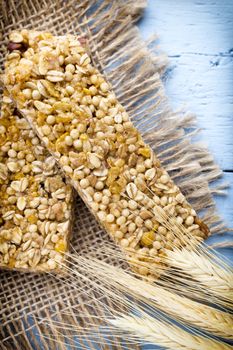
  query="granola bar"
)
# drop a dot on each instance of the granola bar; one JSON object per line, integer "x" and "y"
{"x": 80, "y": 121}
{"x": 36, "y": 202}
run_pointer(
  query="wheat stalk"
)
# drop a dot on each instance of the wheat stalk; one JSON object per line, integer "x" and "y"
{"x": 226, "y": 244}
{"x": 168, "y": 336}
{"x": 202, "y": 316}
{"x": 138, "y": 328}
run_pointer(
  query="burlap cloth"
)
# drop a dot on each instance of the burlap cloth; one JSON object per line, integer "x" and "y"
{"x": 134, "y": 72}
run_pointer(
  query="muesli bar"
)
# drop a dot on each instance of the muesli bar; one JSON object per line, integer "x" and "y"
{"x": 76, "y": 115}
{"x": 36, "y": 202}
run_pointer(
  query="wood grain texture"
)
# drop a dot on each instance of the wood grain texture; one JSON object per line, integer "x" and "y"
{"x": 197, "y": 37}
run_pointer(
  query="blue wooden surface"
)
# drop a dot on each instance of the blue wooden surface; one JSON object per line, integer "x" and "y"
{"x": 197, "y": 37}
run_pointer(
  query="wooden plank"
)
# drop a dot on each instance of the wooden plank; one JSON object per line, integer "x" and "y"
{"x": 197, "y": 36}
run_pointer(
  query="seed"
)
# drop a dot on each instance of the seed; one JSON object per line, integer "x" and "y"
{"x": 74, "y": 134}
{"x": 94, "y": 79}
{"x": 110, "y": 218}
{"x": 150, "y": 174}
{"x": 95, "y": 206}
{"x": 78, "y": 174}
{"x": 131, "y": 190}
{"x": 193, "y": 213}
{"x": 132, "y": 227}
{"x": 84, "y": 183}
{"x": 94, "y": 160}
{"x": 68, "y": 76}
{"x": 179, "y": 220}
{"x": 125, "y": 212}
{"x": 118, "y": 235}
{"x": 35, "y": 202}
{"x": 118, "y": 118}
{"x": 16, "y": 236}
{"x": 148, "y": 223}
{"x": 101, "y": 215}
{"x": 70, "y": 68}
{"x": 42, "y": 89}
{"x": 164, "y": 179}
{"x": 145, "y": 214}
{"x": 163, "y": 201}
{"x": 189, "y": 221}
{"x": 36, "y": 95}
{"x": 121, "y": 220}
{"x": 2, "y": 129}
{"x": 99, "y": 185}
{"x": 105, "y": 200}
{"x": 132, "y": 204}
{"x": 97, "y": 197}
{"x": 180, "y": 198}
{"x": 23, "y": 184}
{"x": 32, "y": 228}
{"x": 84, "y": 60}
{"x": 55, "y": 76}
{"x": 68, "y": 140}
{"x": 43, "y": 107}
{"x": 36, "y": 258}
{"x": 140, "y": 168}
{"x": 157, "y": 245}
{"x": 52, "y": 264}
{"x": 70, "y": 89}
{"x": 77, "y": 144}
{"x": 124, "y": 243}
{"x": 51, "y": 119}
{"x": 13, "y": 166}
{"x": 21, "y": 203}
{"x": 26, "y": 245}
{"x": 67, "y": 169}
{"x": 162, "y": 230}
{"x": 104, "y": 87}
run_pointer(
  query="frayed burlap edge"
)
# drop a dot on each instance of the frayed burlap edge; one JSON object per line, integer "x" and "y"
{"x": 134, "y": 72}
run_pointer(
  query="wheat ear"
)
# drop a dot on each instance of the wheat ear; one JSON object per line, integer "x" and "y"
{"x": 170, "y": 279}
{"x": 122, "y": 324}
{"x": 204, "y": 317}
{"x": 168, "y": 336}
{"x": 207, "y": 272}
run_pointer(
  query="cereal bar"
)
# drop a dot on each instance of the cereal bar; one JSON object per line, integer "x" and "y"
{"x": 78, "y": 118}
{"x": 36, "y": 203}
